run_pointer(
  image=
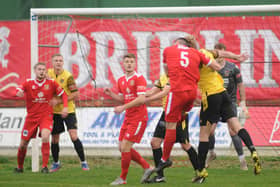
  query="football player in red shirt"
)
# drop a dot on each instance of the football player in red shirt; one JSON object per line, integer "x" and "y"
{"x": 132, "y": 89}
{"x": 38, "y": 94}
{"x": 182, "y": 64}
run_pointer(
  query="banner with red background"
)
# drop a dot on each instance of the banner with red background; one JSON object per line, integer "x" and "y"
{"x": 103, "y": 43}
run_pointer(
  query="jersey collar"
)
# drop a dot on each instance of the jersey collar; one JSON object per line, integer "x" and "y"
{"x": 39, "y": 83}
{"x": 127, "y": 78}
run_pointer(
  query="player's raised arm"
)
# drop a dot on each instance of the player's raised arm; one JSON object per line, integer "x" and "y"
{"x": 117, "y": 97}
{"x": 231, "y": 55}
{"x": 159, "y": 95}
{"x": 212, "y": 63}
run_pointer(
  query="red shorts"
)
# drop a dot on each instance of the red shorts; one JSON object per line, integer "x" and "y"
{"x": 31, "y": 126}
{"x": 132, "y": 130}
{"x": 178, "y": 102}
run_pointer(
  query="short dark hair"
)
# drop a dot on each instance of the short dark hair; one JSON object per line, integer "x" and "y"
{"x": 220, "y": 46}
{"x": 129, "y": 55}
{"x": 39, "y": 64}
{"x": 56, "y": 54}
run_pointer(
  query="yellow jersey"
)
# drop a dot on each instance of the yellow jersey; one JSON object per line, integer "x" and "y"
{"x": 210, "y": 81}
{"x": 67, "y": 82}
{"x": 163, "y": 80}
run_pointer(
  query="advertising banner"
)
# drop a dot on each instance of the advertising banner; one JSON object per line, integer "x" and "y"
{"x": 99, "y": 127}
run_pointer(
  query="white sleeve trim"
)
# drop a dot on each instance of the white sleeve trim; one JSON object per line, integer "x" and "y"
{"x": 141, "y": 93}
{"x": 60, "y": 93}
{"x": 210, "y": 62}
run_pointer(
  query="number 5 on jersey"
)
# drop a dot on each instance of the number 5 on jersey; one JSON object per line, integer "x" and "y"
{"x": 184, "y": 59}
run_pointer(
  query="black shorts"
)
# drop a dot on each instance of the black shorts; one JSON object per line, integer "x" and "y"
{"x": 234, "y": 108}
{"x": 58, "y": 123}
{"x": 216, "y": 107}
{"x": 182, "y": 132}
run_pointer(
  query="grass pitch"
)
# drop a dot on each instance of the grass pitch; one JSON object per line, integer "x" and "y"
{"x": 223, "y": 172}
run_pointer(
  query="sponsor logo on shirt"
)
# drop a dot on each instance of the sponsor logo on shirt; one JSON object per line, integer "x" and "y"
{"x": 40, "y": 94}
{"x": 127, "y": 90}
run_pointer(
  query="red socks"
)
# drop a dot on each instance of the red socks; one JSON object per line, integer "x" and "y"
{"x": 20, "y": 157}
{"x": 135, "y": 156}
{"x": 169, "y": 140}
{"x": 126, "y": 158}
{"x": 45, "y": 154}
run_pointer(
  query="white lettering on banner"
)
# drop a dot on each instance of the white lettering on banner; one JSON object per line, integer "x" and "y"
{"x": 103, "y": 61}
{"x": 247, "y": 38}
{"x": 4, "y": 45}
{"x": 211, "y": 38}
{"x": 143, "y": 55}
{"x": 166, "y": 38}
{"x": 143, "y": 41}
{"x": 271, "y": 44}
{"x": 83, "y": 47}
{"x": 10, "y": 122}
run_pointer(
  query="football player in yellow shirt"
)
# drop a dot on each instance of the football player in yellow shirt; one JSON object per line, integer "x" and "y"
{"x": 66, "y": 80}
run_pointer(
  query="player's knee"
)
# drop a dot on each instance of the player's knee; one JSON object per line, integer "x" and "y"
{"x": 23, "y": 145}
{"x": 155, "y": 144}
{"x": 73, "y": 135}
{"x": 185, "y": 146}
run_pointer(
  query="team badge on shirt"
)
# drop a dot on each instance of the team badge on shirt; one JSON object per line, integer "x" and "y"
{"x": 33, "y": 87}
{"x": 46, "y": 87}
{"x": 127, "y": 90}
{"x": 226, "y": 73}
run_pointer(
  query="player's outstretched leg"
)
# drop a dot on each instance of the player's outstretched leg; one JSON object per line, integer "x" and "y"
{"x": 239, "y": 150}
{"x": 135, "y": 156}
{"x": 244, "y": 135}
{"x": 211, "y": 154}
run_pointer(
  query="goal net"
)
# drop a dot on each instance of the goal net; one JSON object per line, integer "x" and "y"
{"x": 93, "y": 45}
{"x": 93, "y": 42}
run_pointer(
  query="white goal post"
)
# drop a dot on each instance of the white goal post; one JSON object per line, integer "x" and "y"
{"x": 36, "y": 13}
